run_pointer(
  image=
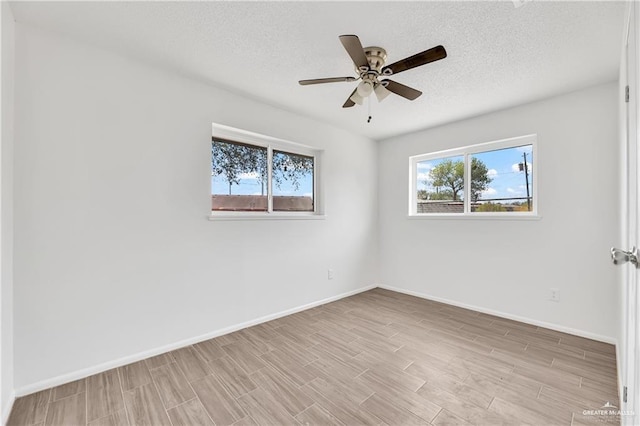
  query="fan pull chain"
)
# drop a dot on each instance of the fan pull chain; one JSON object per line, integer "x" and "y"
{"x": 369, "y": 106}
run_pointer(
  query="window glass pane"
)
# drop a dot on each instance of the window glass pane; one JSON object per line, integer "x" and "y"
{"x": 292, "y": 182}
{"x": 238, "y": 177}
{"x": 502, "y": 180}
{"x": 440, "y": 185}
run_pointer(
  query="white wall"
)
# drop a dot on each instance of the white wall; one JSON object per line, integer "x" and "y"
{"x": 508, "y": 266}
{"x": 114, "y": 254}
{"x": 6, "y": 211}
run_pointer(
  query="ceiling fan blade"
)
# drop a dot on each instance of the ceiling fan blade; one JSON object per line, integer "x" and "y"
{"x": 422, "y": 58}
{"x": 326, "y": 80}
{"x": 402, "y": 90}
{"x": 354, "y": 48}
{"x": 349, "y": 103}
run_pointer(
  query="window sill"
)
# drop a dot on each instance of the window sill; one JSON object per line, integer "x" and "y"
{"x": 265, "y": 216}
{"x": 475, "y": 216}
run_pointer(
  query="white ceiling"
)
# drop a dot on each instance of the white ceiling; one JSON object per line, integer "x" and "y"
{"x": 499, "y": 55}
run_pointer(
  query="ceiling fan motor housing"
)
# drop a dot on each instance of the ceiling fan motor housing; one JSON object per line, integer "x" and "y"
{"x": 376, "y": 57}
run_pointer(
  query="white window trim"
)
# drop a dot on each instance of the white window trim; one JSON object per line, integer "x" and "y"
{"x": 237, "y": 135}
{"x": 465, "y": 152}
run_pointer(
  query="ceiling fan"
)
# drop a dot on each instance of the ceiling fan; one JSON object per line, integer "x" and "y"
{"x": 370, "y": 65}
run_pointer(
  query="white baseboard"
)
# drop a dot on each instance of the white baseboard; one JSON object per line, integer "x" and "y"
{"x": 6, "y": 410}
{"x": 86, "y": 372}
{"x": 556, "y": 327}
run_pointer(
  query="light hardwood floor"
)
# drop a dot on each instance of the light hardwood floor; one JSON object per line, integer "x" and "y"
{"x": 376, "y": 358}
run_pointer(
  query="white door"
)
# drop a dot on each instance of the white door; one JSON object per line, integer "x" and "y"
{"x": 629, "y": 347}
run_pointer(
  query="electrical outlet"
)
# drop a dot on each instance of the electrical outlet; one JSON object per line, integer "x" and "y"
{"x": 554, "y": 295}
{"x": 329, "y": 274}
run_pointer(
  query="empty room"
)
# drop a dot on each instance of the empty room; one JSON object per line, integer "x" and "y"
{"x": 319, "y": 213}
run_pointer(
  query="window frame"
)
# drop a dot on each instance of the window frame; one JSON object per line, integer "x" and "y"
{"x": 233, "y": 135}
{"x": 466, "y": 152}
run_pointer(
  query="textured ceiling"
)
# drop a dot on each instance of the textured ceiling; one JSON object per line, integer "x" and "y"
{"x": 499, "y": 55}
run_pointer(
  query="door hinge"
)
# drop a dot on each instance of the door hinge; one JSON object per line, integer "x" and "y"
{"x": 624, "y": 394}
{"x": 626, "y": 93}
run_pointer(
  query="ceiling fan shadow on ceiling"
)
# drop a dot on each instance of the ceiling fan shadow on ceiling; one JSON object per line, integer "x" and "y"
{"x": 370, "y": 66}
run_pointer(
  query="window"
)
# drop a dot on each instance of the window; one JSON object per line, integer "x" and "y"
{"x": 252, "y": 174}
{"x": 440, "y": 185}
{"x": 491, "y": 179}
{"x": 238, "y": 177}
{"x": 292, "y": 176}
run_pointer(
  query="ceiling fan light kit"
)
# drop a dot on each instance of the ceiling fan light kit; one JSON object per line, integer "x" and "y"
{"x": 365, "y": 88}
{"x": 381, "y": 92}
{"x": 355, "y": 97}
{"x": 370, "y": 65}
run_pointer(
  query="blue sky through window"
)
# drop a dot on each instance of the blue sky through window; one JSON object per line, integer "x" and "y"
{"x": 250, "y": 184}
{"x": 508, "y": 181}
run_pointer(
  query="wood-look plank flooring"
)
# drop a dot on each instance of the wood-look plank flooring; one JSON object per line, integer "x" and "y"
{"x": 377, "y": 358}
